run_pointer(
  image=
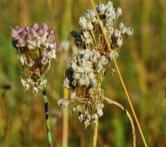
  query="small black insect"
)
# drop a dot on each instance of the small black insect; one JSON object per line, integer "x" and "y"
{"x": 6, "y": 86}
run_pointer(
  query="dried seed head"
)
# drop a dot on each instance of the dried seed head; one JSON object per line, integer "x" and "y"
{"x": 36, "y": 46}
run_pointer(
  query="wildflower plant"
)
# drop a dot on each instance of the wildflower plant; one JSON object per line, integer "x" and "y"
{"x": 36, "y": 46}
{"x": 86, "y": 71}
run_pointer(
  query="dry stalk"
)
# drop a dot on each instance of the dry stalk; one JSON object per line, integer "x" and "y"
{"x": 65, "y": 122}
{"x": 112, "y": 102}
{"x": 121, "y": 78}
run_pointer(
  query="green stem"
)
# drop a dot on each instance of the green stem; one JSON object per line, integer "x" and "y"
{"x": 49, "y": 135}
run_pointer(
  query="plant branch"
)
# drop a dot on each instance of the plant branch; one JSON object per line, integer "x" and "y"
{"x": 95, "y": 134}
{"x": 121, "y": 78}
{"x": 110, "y": 101}
{"x": 130, "y": 104}
{"x": 65, "y": 122}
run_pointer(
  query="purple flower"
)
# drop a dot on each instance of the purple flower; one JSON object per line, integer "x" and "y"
{"x": 36, "y": 46}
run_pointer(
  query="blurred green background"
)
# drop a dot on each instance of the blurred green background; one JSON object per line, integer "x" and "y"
{"x": 142, "y": 62}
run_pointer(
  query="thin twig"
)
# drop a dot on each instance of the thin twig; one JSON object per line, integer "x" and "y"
{"x": 65, "y": 122}
{"x": 121, "y": 78}
{"x": 95, "y": 134}
{"x": 49, "y": 135}
{"x": 110, "y": 101}
{"x": 131, "y": 105}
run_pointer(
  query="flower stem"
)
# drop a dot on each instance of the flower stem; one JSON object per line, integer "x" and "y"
{"x": 110, "y": 101}
{"x": 65, "y": 121}
{"x": 48, "y": 126}
{"x": 120, "y": 76}
{"x": 130, "y": 103}
{"x": 95, "y": 134}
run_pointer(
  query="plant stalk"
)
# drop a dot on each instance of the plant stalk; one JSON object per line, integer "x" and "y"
{"x": 120, "y": 76}
{"x": 110, "y": 101}
{"x": 65, "y": 122}
{"x": 95, "y": 134}
{"x": 48, "y": 126}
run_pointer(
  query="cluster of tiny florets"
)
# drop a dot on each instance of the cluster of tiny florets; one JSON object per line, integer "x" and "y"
{"x": 83, "y": 78}
{"x": 84, "y": 68}
{"x": 86, "y": 71}
{"x": 36, "y": 46}
{"x": 91, "y": 36}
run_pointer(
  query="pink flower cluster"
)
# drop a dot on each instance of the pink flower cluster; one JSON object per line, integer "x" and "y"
{"x": 36, "y": 46}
